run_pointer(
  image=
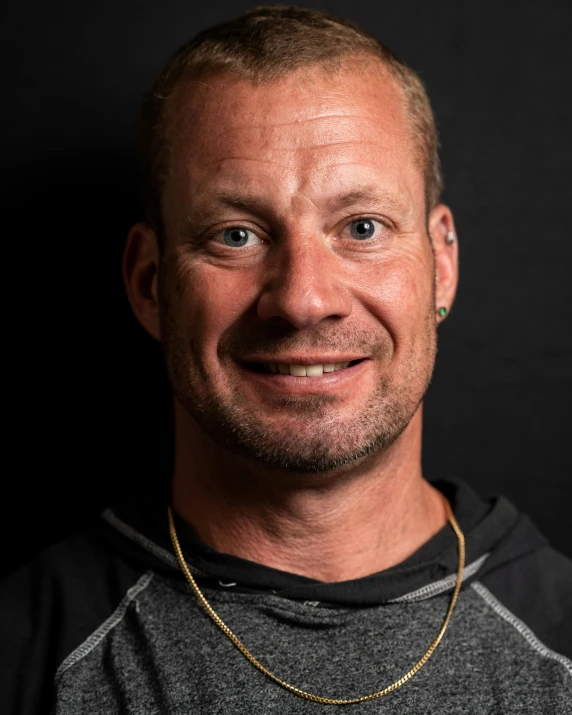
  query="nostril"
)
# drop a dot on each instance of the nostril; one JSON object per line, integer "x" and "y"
{"x": 304, "y": 304}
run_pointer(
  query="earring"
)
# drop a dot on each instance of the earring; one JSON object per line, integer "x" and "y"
{"x": 450, "y": 237}
{"x": 442, "y": 311}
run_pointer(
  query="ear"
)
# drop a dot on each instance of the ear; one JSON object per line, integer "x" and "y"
{"x": 140, "y": 274}
{"x": 442, "y": 226}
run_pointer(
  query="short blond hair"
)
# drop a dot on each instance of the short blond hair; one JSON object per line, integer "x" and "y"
{"x": 265, "y": 44}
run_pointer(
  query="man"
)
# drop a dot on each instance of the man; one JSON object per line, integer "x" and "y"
{"x": 295, "y": 263}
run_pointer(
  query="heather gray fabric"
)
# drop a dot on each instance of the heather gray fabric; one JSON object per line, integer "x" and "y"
{"x": 160, "y": 653}
{"x": 105, "y": 623}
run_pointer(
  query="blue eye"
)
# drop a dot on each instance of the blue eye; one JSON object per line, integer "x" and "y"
{"x": 236, "y": 237}
{"x": 362, "y": 228}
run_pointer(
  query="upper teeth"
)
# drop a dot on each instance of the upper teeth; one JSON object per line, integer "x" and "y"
{"x": 306, "y": 370}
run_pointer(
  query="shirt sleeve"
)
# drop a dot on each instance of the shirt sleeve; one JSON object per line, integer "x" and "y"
{"x": 47, "y": 609}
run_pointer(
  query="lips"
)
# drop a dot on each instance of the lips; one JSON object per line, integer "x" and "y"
{"x": 296, "y": 369}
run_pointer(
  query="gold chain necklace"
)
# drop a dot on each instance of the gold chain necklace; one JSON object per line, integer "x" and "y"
{"x": 302, "y": 693}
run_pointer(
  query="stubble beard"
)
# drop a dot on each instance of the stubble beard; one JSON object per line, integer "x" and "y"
{"x": 322, "y": 441}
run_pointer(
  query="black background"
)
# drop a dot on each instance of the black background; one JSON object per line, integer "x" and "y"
{"x": 86, "y": 402}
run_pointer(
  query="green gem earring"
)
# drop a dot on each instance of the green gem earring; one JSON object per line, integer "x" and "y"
{"x": 442, "y": 312}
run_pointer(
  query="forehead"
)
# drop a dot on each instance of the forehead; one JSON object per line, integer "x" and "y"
{"x": 310, "y": 129}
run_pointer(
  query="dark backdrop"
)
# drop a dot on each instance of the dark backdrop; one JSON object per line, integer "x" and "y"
{"x": 86, "y": 402}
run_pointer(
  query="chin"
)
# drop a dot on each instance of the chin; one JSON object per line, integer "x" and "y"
{"x": 310, "y": 458}
{"x": 313, "y": 437}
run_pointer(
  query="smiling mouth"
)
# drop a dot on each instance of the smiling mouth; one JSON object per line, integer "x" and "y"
{"x": 299, "y": 370}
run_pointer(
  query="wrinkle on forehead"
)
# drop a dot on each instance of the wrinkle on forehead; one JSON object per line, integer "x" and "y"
{"x": 285, "y": 158}
{"x": 282, "y": 142}
{"x": 268, "y": 111}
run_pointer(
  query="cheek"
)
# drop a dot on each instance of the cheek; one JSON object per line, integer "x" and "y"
{"x": 399, "y": 292}
{"x": 206, "y": 301}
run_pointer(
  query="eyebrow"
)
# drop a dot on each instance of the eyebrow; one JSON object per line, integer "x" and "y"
{"x": 361, "y": 195}
{"x": 239, "y": 201}
{"x": 366, "y": 195}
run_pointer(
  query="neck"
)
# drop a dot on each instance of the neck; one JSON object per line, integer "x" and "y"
{"x": 329, "y": 527}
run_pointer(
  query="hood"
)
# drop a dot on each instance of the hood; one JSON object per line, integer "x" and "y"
{"x": 495, "y": 534}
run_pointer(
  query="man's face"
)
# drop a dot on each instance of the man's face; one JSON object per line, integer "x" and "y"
{"x": 296, "y": 236}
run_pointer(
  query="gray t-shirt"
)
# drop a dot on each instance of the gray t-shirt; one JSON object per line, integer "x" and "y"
{"x": 507, "y": 648}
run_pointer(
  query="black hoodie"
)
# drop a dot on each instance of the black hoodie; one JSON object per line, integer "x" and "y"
{"x": 105, "y": 622}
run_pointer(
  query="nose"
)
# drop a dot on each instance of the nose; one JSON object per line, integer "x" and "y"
{"x": 304, "y": 285}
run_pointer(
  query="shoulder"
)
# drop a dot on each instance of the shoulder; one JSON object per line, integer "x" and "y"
{"x": 534, "y": 593}
{"x": 49, "y": 608}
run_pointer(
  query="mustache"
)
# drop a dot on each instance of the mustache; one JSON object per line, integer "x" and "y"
{"x": 325, "y": 339}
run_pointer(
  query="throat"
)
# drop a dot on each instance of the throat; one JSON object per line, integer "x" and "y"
{"x": 327, "y": 540}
